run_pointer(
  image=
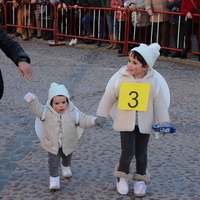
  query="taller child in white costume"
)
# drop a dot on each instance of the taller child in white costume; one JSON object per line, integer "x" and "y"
{"x": 135, "y": 126}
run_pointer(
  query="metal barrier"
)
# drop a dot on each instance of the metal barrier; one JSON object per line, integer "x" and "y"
{"x": 24, "y": 17}
{"x": 2, "y": 9}
{"x": 92, "y": 24}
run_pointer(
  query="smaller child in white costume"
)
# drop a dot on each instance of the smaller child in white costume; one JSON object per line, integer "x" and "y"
{"x": 59, "y": 137}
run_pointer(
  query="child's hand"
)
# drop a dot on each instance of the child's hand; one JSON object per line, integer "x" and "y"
{"x": 29, "y": 97}
{"x": 164, "y": 128}
{"x": 100, "y": 121}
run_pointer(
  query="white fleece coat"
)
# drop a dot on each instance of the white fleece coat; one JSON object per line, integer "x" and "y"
{"x": 125, "y": 120}
{"x": 50, "y": 135}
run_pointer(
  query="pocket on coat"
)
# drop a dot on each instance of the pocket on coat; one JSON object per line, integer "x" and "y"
{"x": 48, "y": 142}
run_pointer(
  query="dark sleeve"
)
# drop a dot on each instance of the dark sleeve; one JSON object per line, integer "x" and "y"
{"x": 12, "y": 48}
{"x": 184, "y": 8}
{"x": 66, "y": 2}
{"x": 42, "y": 1}
{"x": 84, "y": 3}
{"x": 177, "y": 3}
{"x": 169, "y": 5}
{"x": 103, "y": 3}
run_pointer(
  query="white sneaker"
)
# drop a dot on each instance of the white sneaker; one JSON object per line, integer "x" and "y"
{"x": 66, "y": 171}
{"x": 122, "y": 186}
{"x": 71, "y": 42}
{"x": 75, "y": 41}
{"x": 139, "y": 188}
{"x": 54, "y": 183}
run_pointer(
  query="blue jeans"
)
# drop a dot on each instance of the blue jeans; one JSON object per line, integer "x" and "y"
{"x": 88, "y": 18}
{"x": 113, "y": 25}
{"x": 134, "y": 143}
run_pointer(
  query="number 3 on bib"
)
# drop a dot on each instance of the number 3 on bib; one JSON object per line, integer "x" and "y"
{"x": 134, "y": 96}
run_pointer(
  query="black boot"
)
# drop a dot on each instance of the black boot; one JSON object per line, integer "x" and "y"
{"x": 131, "y": 46}
{"x": 166, "y": 52}
{"x": 120, "y": 48}
{"x": 176, "y": 54}
{"x": 183, "y": 54}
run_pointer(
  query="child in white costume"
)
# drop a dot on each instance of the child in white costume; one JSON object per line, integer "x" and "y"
{"x": 60, "y": 135}
{"x": 135, "y": 126}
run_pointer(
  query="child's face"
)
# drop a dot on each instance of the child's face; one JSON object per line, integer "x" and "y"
{"x": 59, "y": 104}
{"x": 135, "y": 68}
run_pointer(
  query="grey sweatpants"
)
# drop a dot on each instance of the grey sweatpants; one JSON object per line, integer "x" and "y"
{"x": 54, "y": 162}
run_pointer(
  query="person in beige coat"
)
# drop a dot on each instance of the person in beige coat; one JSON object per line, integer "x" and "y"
{"x": 60, "y": 136}
{"x": 140, "y": 22}
{"x": 134, "y": 125}
{"x": 159, "y": 23}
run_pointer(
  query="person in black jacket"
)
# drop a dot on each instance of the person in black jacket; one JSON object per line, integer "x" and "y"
{"x": 88, "y": 18}
{"x": 15, "y": 52}
{"x": 72, "y": 14}
{"x": 176, "y": 25}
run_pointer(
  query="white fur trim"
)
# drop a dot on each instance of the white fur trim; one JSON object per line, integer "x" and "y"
{"x": 123, "y": 174}
{"x": 139, "y": 177}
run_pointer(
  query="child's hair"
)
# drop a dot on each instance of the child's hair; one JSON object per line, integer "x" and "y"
{"x": 138, "y": 56}
{"x": 59, "y": 96}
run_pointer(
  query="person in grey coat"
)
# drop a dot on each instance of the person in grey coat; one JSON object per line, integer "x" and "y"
{"x": 140, "y": 27}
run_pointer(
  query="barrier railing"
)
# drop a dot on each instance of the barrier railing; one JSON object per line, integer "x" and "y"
{"x": 92, "y": 24}
{"x": 2, "y": 10}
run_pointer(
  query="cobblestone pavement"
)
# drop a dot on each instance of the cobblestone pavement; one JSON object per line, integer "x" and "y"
{"x": 173, "y": 160}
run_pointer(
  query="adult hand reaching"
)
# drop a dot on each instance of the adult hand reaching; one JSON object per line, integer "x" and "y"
{"x": 25, "y": 70}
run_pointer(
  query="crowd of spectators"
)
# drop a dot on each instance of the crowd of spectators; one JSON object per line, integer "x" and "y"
{"x": 150, "y": 21}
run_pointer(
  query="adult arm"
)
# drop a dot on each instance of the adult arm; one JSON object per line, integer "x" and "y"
{"x": 15, "y": 52}
{"x": 186, "y": 9}
{"x": 84, "y": 3}
{"x": 148, "y": 7}
{"x": 12, "y": 48}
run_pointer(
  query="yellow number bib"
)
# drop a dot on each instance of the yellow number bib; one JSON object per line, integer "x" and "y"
{"x": 134, "y": 96}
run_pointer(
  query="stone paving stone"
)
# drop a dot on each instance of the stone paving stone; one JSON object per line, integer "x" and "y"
{"x": 173, "y": 160}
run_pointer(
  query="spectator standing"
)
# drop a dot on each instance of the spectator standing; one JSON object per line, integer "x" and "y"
{"x": 140, "y": 27}
{"x": 24, "y": 18}
{"x": 160, "y": 23}
{"x": 62, "y": 18}
{"x": 120, "y": 16}
{"x": 113, "y": 25}
{"x": 88, "y": 18}
{"x": 46, "y": 16}
{"x": 191, "y": 25}
{"x": 72, "y": 19}
{"x": 176, "y": 25}
{"x": 37, "y": 18}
